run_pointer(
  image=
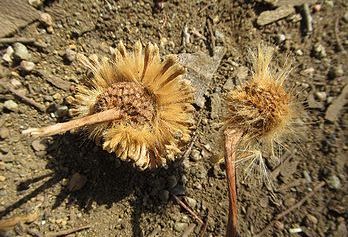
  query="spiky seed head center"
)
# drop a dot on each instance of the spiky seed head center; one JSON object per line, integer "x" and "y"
{"x": 136, "y": 104}
{"x": 260, "y": 109}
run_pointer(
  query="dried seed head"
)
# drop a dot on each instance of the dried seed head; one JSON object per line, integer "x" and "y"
{"x": 153, "y": 100}
{"x": 265, "y": 112}
{"x": 261, "y": 107}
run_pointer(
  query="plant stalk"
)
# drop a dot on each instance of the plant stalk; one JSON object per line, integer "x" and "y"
{"x": 232, "y": 138}
{"x": 107, "y": 115}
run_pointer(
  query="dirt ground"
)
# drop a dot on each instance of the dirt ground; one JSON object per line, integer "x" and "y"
{"x": 70, "y": 182}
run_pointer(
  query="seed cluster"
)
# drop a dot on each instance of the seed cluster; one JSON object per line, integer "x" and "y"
{"x": 259, "y": 108}
{"x": 133, "y": 101}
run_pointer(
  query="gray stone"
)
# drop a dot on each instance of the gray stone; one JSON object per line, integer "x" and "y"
{"x": 38, "y": 145}
{"x": 336, "y": 71}
{"x": 268, "y": 17}
{"x": 46, "y": 19}
{"x": 311, "y": 220}
{"x": 179, "y": 190}
{"x": 191, "y": 202}
{"x": 200, "y": 101}
{"x": 163, "y": 195}
{"x": 69, "y": 55}
{"x": 7, "y": 57}
{"x": 172, "y": 181}
{"x": 21, "y": 52}
{"x": 4, "y": 133}
{"x": 180, "y": 227}
{"x": 334, "y": 182}
{"x": 229, "y": 85}
{"x": 27, "y": 66}
{"x": 319, "y": 51}
{"x": 195, "y": 155}
{"x": 36, "y": 3}
{"x": 77, "y": 182}
{"x": 320, "y": 95}
{"x": 62, "y": 111}
{"x": 11, "y": 105}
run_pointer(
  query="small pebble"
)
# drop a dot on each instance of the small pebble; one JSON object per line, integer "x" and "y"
{"x": 179, "y": 190}
{"x": 311, "y": 220}
{"x": 195, "y": 155}
{"x": 21, "y": 52}
{"x": 345, "y": 17}
{"x": 62, "y": 111}
{"x": 180, "y": 227}
{"x": 336, "y": 71}
{"x": 191, "y": 202}
{"x": 77, "y": 182}
{"x": 38, "y": 145}
{"x": 295, "y": 230}
{"x": 319, "y": 51}
{"x": 8, "y": 54}
{"x": 2, "y": 178}
{"x": 36, "y": 3}
{"x": 69, "y": 55}
{"x": 11, "y": 105}
{"x": 280, "y": 38}
{"x": 163, "y": 195}
{"x": 4, "y": 133}
{"x": 27, "y": 66}
{"x": 172, "y": 181}
{"x": 320, "y": 95}
{"x": 279, "y": 225}
{"x": 334, "y": 182}
{"x": 46, "y": 19}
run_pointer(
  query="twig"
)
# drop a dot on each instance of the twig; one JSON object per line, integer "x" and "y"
{"x": 297, "y": 205}
{"x": 211, "y": 35}
{"x": 195, "y": 32}
{"x": 67, "y": 232}
{"x": 27, "y": 100}
{"x": 22, "y": 40}
{"x": 232, "y": 138}
{"x": 205, "y": 225}
{"x": 308, "y": 19}
{"x": 107, "y": 115}
{"x": 339, "y": 44}
{"x": 188, "y": 209}
{"x": 9, "y": 223}
{"x": 189, "y": 230}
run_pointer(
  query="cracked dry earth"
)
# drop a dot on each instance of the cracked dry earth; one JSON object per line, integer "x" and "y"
{"x": 69, "y": 182}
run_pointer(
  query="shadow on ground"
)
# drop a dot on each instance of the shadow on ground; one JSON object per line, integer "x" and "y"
{"x": 109, "y": 180}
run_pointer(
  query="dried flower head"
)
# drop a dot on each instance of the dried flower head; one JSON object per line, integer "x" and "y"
{"x": 262, "y": 109}
{"x": 137, "y": 106}
{"x": 153, "y": 100}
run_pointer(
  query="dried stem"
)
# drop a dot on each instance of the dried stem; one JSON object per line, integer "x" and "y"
{"x": 67, "y": 232}
{"x": 232, "y": 138}
{"x": 107, "y": 115}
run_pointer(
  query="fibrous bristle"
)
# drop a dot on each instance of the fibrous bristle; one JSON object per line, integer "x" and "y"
{"x": 261, "y": 107}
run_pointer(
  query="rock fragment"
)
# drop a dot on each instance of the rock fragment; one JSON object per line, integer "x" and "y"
{"x": 333, "y": 111}
{"x": 21, "y": 52}
{"x": 27, "y": 66}
{"x": 268, "y": 17}
{"x": 11, "y": 105}
{"x": 4, "y": 133}
{"x": 77, "y": 182}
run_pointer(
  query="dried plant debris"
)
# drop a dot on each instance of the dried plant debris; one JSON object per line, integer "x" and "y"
{"x": 7, "y": 224}
{"x": 264, "y": 111}
{"x": 147, "y": 100}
